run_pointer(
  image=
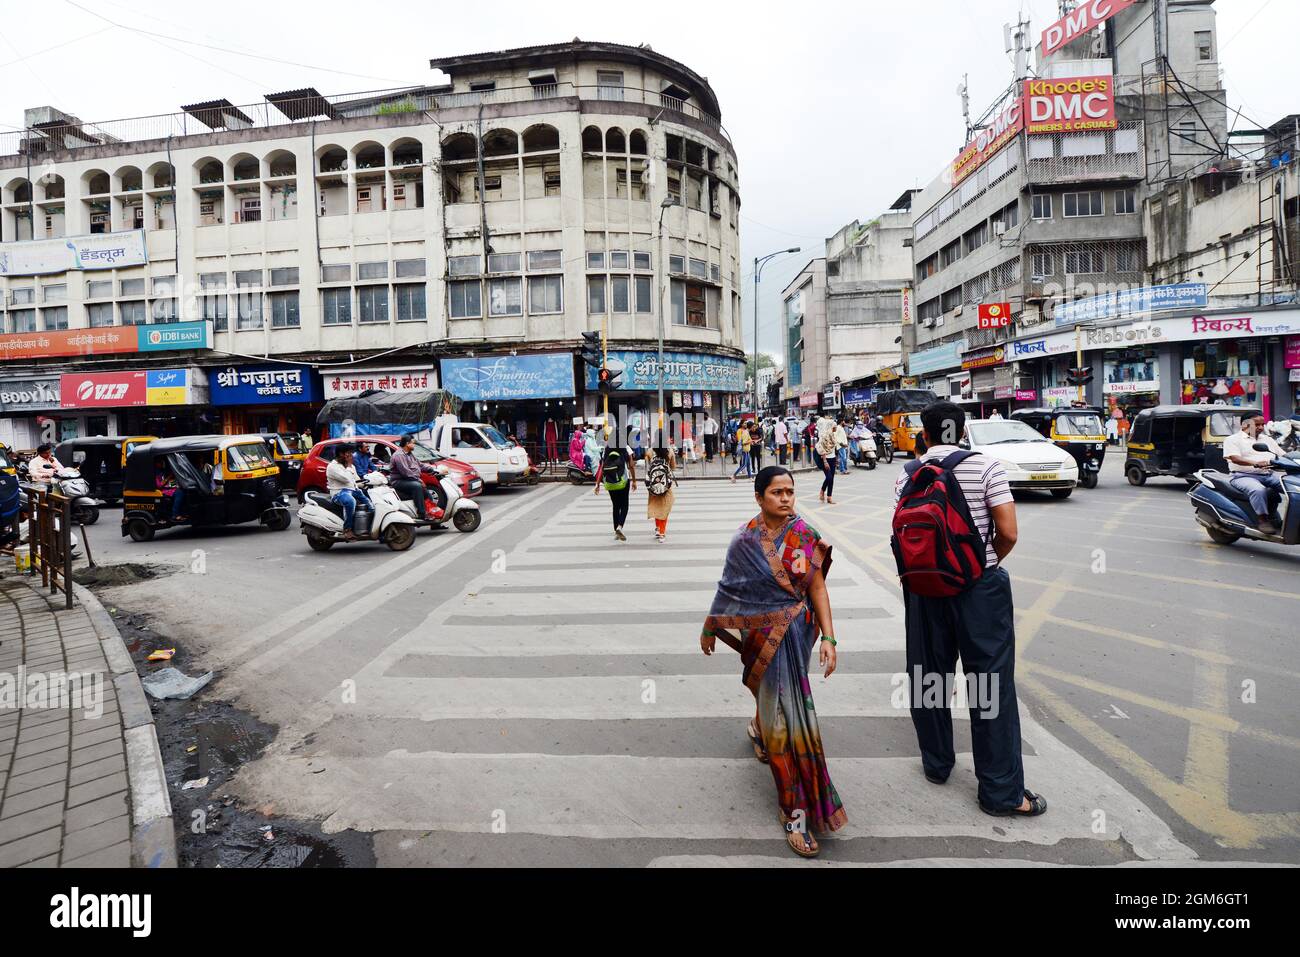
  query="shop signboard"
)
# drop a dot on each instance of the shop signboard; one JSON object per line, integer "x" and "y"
{"x": 808, "y": 400}
{"x": 1293, "y": 352}
{"x": 1131, "y": 388}
{"x": 264, "y": 384}
{"x": 1004, "y": 392}
{"x": 103, "y": 390}
{"x": 682, "y": 370}
{"x": 508, "y": 378}
{"x": 1080, "y": 21}
{"x": 29, "y": 394}
{"x": 993, "y": 315}
{"x": 1132, "y": 302}
{"x": 112, "y": 340}
{"x": 343, "y": 382}
{"x": 1069, "y": 104}
{"x": 946, "y": 356}
{"x": 1150, "y": 332}
{"x": 983, "y": 359}
{"x": 859, "y": 396}
{"x": 40, "y": 257}
{"x": 1026, "y": 395}
{"x": 1005, "y": 126}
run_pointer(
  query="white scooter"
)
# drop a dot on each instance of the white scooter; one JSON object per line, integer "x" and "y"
{"x": 321, "y": 519}
{"x": 463, "y": 512}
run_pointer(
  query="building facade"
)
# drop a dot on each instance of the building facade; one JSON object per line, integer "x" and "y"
{"x": 380, "y": 239}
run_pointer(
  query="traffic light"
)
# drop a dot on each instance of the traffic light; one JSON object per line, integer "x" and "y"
{"x": 1079, "y": 376}
{"x": 609, "y": 380}
{"x": 592, "y": 354}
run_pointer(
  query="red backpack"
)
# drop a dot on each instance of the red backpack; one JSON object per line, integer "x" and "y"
{"x": 938, "y": 549}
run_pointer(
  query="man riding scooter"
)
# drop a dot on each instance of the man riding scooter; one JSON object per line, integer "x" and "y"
{"x": 1250, "y": 470}
{"x": 44, "y": 466}
{"x": 406, "y": 470}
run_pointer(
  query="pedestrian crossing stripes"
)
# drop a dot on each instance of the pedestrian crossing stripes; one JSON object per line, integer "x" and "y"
{"x": 563, "y": 693}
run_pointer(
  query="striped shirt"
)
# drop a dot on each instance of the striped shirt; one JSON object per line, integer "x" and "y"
{"x": 983, "y": 482}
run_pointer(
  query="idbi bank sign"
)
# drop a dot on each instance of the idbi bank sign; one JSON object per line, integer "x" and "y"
{"x": 1070, "y": 105}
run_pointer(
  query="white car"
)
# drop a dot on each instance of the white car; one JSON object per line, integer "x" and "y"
{"x": 1031, "y": 460}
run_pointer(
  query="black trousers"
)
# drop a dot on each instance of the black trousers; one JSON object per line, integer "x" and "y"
{"x": 411, "y": 490}
{"x": 979, "y": 626}
{"x": 710, "y": 446}
{"x": 619, "y": 498}
{"x": 827, "y": 466}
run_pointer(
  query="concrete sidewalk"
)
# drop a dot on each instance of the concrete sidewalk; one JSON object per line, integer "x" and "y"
{"x": 81, "y": 775}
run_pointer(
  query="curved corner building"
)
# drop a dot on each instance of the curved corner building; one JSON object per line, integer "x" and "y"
{"x": 163, "y": 274}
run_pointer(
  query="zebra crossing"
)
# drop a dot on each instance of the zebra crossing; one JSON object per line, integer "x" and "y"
{"x": 559, "y": 704}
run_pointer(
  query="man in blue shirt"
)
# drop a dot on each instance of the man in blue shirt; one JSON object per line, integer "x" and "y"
{"x": 363, "y": 460}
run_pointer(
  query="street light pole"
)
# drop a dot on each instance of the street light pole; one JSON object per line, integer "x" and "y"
{"x": 759, "y": 263}
{"x": 663, "y": 285}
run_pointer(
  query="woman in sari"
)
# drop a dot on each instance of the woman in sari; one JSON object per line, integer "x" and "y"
{"x": 771, "y": 606}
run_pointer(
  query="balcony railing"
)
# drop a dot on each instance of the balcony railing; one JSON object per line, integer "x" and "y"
{"x": 49, "y": 138}
{"x": 1122, "y": 155}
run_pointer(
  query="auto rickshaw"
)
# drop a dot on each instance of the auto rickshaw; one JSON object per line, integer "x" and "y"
{"x": 1077, "y": 430}
{"x": 287, "y": 455}
{"x": 222, "y": 480}
{"x": 101, "y": 461}
{"x": 900, "y": 410}
{"x": 8, "y": 461}
{"x": 1180, "y": 440}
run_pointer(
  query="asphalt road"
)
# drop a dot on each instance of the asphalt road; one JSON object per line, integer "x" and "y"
{"x": 533, "y": 692}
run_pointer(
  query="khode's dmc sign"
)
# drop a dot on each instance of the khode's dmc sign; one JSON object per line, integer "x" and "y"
{"x": 501, "y": 378}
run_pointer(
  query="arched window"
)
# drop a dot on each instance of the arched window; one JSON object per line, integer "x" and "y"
{"x": 500, "y": 143}
{"x": 459, "y": 146}
{"x": 408, "y": 152}
{"x": 637, "y": 144}
{"x": 615, "y": 142}
{"x": 539, "y": 138}
{"x": 130, "y": 178}
{"x": 369, "y": 155}
{"x": 282, "y": 163}
{"x": 332, "y": 159}
{"x": 53, "y": 185}
{"x": 20, "y": 190}
{"x": 244, "y": 167}
{"x": 95, "y": 181}
{"x": 159, "y": 176}
{"x": 592, "y": 140}
{"x": 210, "y": 171}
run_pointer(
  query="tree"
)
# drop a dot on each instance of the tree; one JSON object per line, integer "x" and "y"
{"x": 765, "y": 361}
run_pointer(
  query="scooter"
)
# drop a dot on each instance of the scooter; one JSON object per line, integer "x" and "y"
{"x": 70, "y": 484}
{"x": 580, "y": 475}
{"x": 867, "y": 451}
{"x": 463, "y": 512}
{"x": 321, "y": 519}
{"x": 1225, "y": 513}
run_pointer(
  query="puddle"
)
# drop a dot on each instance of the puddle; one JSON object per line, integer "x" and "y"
{"x": 204, "y": 737}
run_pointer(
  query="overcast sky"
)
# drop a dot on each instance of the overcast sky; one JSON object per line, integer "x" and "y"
{"x": 834, "y": 108}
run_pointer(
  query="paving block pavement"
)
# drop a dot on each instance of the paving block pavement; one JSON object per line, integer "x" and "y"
{"x": 81, "y": 779}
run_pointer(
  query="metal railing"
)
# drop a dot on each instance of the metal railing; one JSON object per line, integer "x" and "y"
{"x": 73, "y": 136}
{"x": 49, "y": 537}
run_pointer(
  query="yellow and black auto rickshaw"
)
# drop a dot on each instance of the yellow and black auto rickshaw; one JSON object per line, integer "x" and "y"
{"x": 900, "y": 411}
{"x": 101, "y": 461}
{"x": 288, "y": 455}
{"x": 8, "y": 462}
{"x": 202, "y": 480}
{"x": 1180, "y": 440}
{"x": 1078, "y": 431}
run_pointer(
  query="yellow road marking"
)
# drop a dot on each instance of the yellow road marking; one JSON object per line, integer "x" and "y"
{"x": 1198, "y": 582}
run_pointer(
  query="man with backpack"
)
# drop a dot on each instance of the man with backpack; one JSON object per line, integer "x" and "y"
{"x": 616, "y": 472}
{"x": 954, "y": 524}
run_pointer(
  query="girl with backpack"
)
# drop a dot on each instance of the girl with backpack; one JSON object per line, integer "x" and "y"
{"x": 618, "y": 477}
{"x": 659, "y": 482}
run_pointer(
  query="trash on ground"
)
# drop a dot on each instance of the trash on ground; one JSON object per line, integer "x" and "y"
{"x": 172, "y": 683}
{"x": 162, "y": 654}
{"x": 196, "y": 783}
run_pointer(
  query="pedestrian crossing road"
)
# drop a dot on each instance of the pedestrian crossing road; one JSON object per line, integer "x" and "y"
{"x": 556, "y": 710}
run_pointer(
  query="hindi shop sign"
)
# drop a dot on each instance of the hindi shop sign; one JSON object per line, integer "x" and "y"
{"x": 1293, "y": 352}
{"x": 503, "y": 378}
{"x": 1080, "y": 21}
{"x": 350, "y": 382}
{"x": 112, "y": 340}
{"x": 1070, "y": 105}
{"x": 1125, "y": 302}
{"x": 682, "y": 370}
{"x": 35, "y": 394}
{"x": 98, "y": 251}
{"x": 265, "y": 384}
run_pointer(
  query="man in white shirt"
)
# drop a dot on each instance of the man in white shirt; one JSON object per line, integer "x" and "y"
{"x": 342, "y": 481}
{"x": 44, "y": 466}
{"x": 1250, "y": 470}
{"x": 710, "y": 437}
{"x": 781, "y": 434}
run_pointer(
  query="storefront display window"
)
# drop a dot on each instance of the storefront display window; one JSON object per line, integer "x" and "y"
{"x": 1229, "y": 371}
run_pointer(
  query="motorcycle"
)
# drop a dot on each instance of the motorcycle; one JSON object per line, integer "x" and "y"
{"x": 463, "y": 512}
{"x": 1225, "y": 512}
{"x": 386, "y": 520}
{"x": 886, "y": 451}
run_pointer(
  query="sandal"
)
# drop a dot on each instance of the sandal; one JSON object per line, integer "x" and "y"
{"x": 759, "y": 751}
{"x": 800, "y": 841}
{"x": 1037, "y": 806}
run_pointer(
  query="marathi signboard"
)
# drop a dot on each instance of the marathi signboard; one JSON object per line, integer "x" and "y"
{"x": 1080, "y": 21}
{"x": 111, "y": 340}
{"x": 503, "y": 378}
{"x": 1004, "y": 127}
{"x": 1293, "y": 352}
{"x": 29, "y": 394}
{"x": 350, "y": 382}
{"x": 1070, "y": 105}
{"x": 99, "y": 251}
{"x": 265, "y": 384}
{"x": 682, "y": 370}
{"x": 1130, "y": 302}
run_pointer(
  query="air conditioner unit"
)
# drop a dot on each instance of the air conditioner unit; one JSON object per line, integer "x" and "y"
{"x": 928, "y": 323}
{"x": 999, "y": 228}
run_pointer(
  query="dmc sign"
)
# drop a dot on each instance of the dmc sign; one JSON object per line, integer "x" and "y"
{"x": 1086, "y": 17}
{"x": 1004, "y": 127}
{"x": 1070, "y": 105}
